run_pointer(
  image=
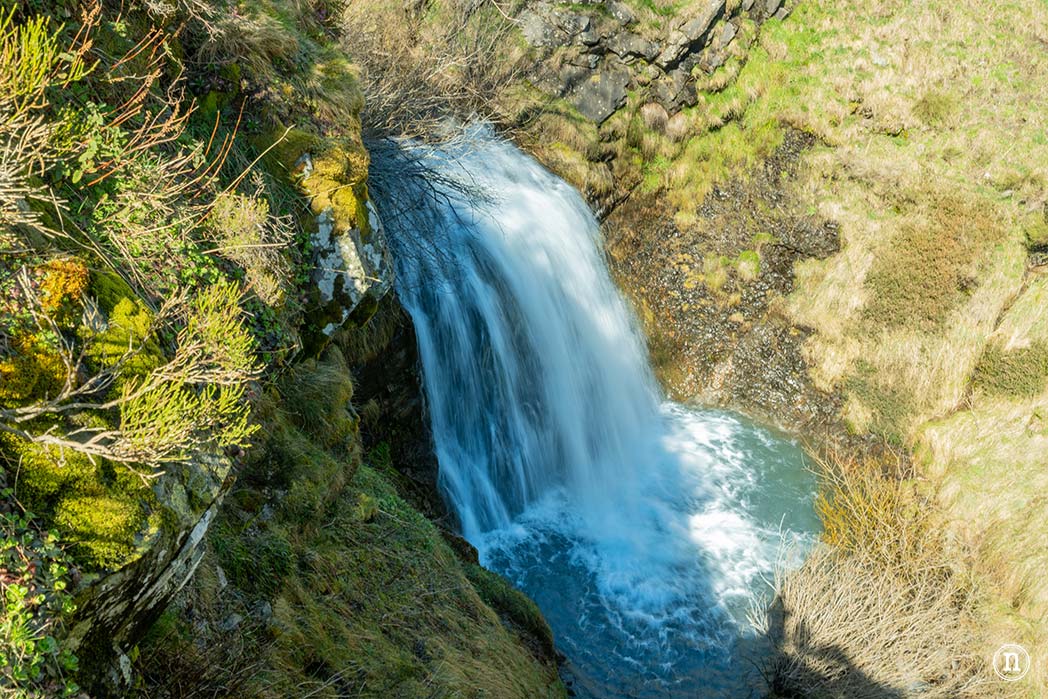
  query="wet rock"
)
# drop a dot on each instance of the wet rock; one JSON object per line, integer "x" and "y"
{"x": 600, "y": 96}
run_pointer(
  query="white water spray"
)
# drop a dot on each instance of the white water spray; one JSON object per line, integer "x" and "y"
{"x": 641, "y": 528}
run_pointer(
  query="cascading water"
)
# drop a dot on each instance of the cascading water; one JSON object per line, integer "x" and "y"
{"x": 641, "y": 528}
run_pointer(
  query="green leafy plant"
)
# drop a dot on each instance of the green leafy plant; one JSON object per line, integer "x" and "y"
{"x": 34, "y": 580}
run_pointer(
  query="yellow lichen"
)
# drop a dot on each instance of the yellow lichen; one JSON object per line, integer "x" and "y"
{"x": 62, "y": 284}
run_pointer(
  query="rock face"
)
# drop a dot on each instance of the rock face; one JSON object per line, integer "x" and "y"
{"x": 351, "y": 267}
{"x": 115, "y": 609}
{"x": 602, "y": 94}
{"x": 594, "y": 57}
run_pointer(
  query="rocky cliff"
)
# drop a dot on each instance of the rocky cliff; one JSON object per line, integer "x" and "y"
{"x": 595, "y": 54}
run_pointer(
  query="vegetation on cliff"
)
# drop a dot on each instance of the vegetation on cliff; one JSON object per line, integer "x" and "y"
{"x": 321, "y": 581}
{"x": 167, "y": 169}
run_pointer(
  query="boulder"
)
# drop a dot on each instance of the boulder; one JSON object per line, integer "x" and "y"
{"x": 114, "y": 609}
{"x": 629, "y": 47}
{"x": 676, "y": 90}
{"x": 604, "y": 92}
{"x": 726, "y": 34}
{"x": 621, "y": 12}
{"x": 689, "y": 35}
{"x": 349, "y": 266}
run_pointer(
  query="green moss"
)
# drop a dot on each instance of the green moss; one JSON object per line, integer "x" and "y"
{"x": 1017, "y": 373}
{"x": 512, "y": 604}
{"x": 128, "y": 329}
{"x": 339, "y": 171}
{"x": 284, "y": 147}
{"x": 34, "y": 370}
{"x": 257, "y": 559}
{"x": 44, "y": 472}
{"x": 1036, "y": 231}
{"x": 101, "y": 528}
{"x": 108, "y": 289}
{"x": 99, "y": 506}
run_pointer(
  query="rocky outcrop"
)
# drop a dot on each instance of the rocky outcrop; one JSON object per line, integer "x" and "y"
{"x": 350, "y": 268}
{"x": 115, "y": 609}
{"x": 594, "y": 57}
{"x": 350, "y": 265}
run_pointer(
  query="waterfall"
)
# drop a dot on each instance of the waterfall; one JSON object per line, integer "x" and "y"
{"x": 639, "y": 526}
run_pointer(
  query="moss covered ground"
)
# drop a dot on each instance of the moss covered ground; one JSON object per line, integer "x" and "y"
{"x": 337, "y": 587}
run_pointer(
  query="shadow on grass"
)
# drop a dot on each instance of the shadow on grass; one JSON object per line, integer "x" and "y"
{"x": 800, "y": 668}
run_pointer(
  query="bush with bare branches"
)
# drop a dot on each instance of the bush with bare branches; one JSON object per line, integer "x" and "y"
{"x": 423, "y": 63}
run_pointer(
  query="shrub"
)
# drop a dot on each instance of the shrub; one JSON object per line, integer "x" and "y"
{"x": 882, "y": 588}
{"x": 1018, "y": 373}
{"x": 244, "y": 231}
{"x": 934, "y": 108}
{"x": 890, "y": 404}
{"x": 33, "y": 58}
{"x": 925, "y": 272}
{"x": 190, "y": 404}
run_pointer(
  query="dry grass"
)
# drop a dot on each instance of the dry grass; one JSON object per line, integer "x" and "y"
{"x": 989, "y": 460}
{"x": 928, "y": 268}
{"x": 881, "y": 611}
